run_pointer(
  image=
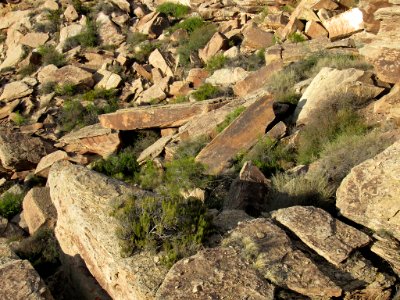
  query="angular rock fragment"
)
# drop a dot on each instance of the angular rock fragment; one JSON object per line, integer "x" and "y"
{"x": 217, "y": 42}
{"x": 15, "y": 90}
{"x": 47, "y": 161}
{"x": 388, "y": 249}
{"x": 345, "y": 24}
{"x": 154, "y": 150}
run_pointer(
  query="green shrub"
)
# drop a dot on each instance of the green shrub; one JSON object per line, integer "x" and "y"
{"x": 87, "y": 38}
{"x": 216, "y": 62}
{"x": 175, "y": 10}
{"x": 206, "y": 91}
{"x": 18, "y": 119}
{"x": 179, "y": 99}
{"x": 230, "y": 118}
{"x": 10, "y": 204}
{"x": 295, "y": 37}
{"x": 67, "y": 89}
{"x": 80, "y": 8}
{"x": 173, "y": 227}
{"x": 190, "y": 24}
{"x": 149, "y": 176}
{"x": 100, "y": 93}
{"x": 135, "y": 38}
{"x": 191, "y": 147}
{"x": 28, "y": 70}
{"x": 50, "y": 56}
{"x": 52, "y": 24}
{"x": 143, "y": 50}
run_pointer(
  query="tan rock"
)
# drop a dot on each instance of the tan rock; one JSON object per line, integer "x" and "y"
{"x": 51, "y": 5}
{"x": 47, "y": 161}
{"x": 389, "y": 105}
{"x": 279, "y": 261}
{"x": 238, "y": 136}
{"x": 19, "y": 280}
{"x": 232, "y": 52}
{"x": 257, "y": 79}
{"x": 227, "y": 76}
{"x": 84, "y": 200}
{"x": 109, "y": 80}
{"x": 315, "y": 30}
{"x": 155, "y": 93}
{"x": 275, "y": 20}
{"x": 13, "y": 56}
{"x": 108, "y": 31}
{"x": 122, "y": 4}
{"x": 229, "y": 219}
{"x": 329, "y": 237}
{"x": 12, "y": 17}
{"x": 219, "y": 272}
{"x": 163, "y": 116}
{"x": 388, "y": 249}
{"x": 154, "y": 150}
{"x": 34, "y": 39}
{"x": 152, "y": 24}
{"x": 368, "y": 8}
{"x": 15, "y": 90}
{"x": 197, "y": 77}
{"x": 70, "y": 75}
{"x": 163, "y": 62}
{"x": 92, "y": 139}
{"x": 256, "y": 38}
{"x": 68, "y": 32}
{"x": 70, "y": 13}
{"x": 142, "y": 71}
{"x": 325, "y": 4}
{"x": 345, "y": 24}
{"x": 179, "y": 88}
{"x": 38, "y": 209}
{"x": 369, "y": 194}
{"x": 6, "y": 110}
{"x": 217, "y": 43}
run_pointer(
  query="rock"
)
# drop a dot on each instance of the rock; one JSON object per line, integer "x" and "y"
{"x": 155, "y": 93}
{"x": 219, "y": 273}
{"x": 108, "y": 31}
{"x": 152, "y": 24}
{"x": 369, "y": 194}
{"x": 325, "y": 4}
{"x": 271, "y": 250}
{"x": 164, "y": 62}
{"x": 388, "y": 249}
{"x": 3, "y": 225}
{"x": 227, "y": 76}
{"x": 327, "y": 84}
{"x": 217, "y": 43}
{"x": 122, "y": 4}
{"x": 50, "y": 5}
{"x": 163, "y": 116}
{"x": 256, "y": 38}
{"x": 368, "y": 8}
{"x": 12, "y": 17}
{"x": 38, "y": 209}
{"x": 109, "y": 80}
{"x": 315, "y": 30}
{"x": 92, "y": 139}
{"x": 257, "y": 79}
{"x": 240, "y": 135}
{"x": 389, "y": 105}
{"x": 84, "y": 200}
{"x": 44, "y": 74}
{"x": 179, "y": 88}
{"x": 345, "y": 24}
{"x": 6, "y": 110}
{"x": 47, "y": 161}
{"x": 197, "y": 77}
{"x": 34, "y": 39}
{"x": 19, "y": 280}
{"x": 70, "y": 75}
{"x": 229, "y": 219}
{"x": 68, "y": 32}
{"x": 329, "y": 237}
{"x": 275, "y": 20}
{"x": 154, "y": 150}
{"x": 21, "y": 152}
{"x": 15, "y": 90}
{"x": 71, "y": 14}
{"x": 13, "y": 56}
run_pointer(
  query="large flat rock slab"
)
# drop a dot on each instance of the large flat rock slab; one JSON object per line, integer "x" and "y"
{"x": 162, "y": 116}
{"x": 219, "y": 273}
{"x": 345, "y": 23}
{"x": 276, "y": 259}
{"x": 84, "y": 201}
{"x": 240, "y": 135}
{"x": 329, "y": 237}
{"x": 370, "y": 194}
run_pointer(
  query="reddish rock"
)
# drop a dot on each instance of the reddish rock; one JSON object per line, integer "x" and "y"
{"x": 47, "y": 161}
{"x": 368, "y": 8}
{"x": 217, "y": 43}
{"x": 256, "y": 38}
{"x": 197, "y": 77}
{"x": 315, "y": 30}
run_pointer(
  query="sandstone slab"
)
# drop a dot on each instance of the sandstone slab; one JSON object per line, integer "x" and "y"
{"x": 162, "y": 61}
{"x": 108, "y": 31}
{"x": 345, "y": 24}
{"x": 109, "y": 80}
{"x": 368, "y": 8}
{"x": 238, "y": 136}
{"x": 329, "y": 237}
{"x": 13, "y": 56}
{"x": 68, "y": 32}
{"x": 162, "y": 116}
{"x": 15, "y": 90}
{"x": 315, "y": 30}
{"x": 369, "y": 194}
{"x": 227, "y": 76}
{"x": 47, "y": 161}
{"x": 388, "y": 249}
{"x": 219, "y": 273}
{"x": 154, "y": 150}
{"x": 70, "y": 75}
{"x": 256, "y": 38}
{"x": 34, "y": 39}
{"x": 217, "y": 43}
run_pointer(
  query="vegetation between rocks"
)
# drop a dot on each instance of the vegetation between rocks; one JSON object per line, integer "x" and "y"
{"x": 10, "y": 204}
{"x": 174, "y": 10}
{"x": 206, "y": 91}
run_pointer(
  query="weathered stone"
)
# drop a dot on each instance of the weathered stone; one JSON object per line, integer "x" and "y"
{"x": 369, "y": 194}
{"x": 256, "y": 38}
{"x": 227, "y": 77}
{"x": 39, "y": 211}
{"x": 34, "y": 39}
{"x": 329, "y": 237}
{"x": 152, "y": 24}
{"x": 229, "y": 219}
{"x": 389, "y": 250}
{"x": 163, "y": 116}
{"x": 154, "y": 150}
{"x": 315, "y": 30}
{"x": 164, "y": 62}
{"x": 325, "y": 4}
{"x": 50, "y": 5}
{"x": 6, "y": 110}
{"x": 389, "y": 106}
{"x": 368, "y": 8}
{"x": 13, "y": 56}
{"x": 21, "y": 152}
{"x": 109, "y": 80}
{"x": 142, "y": 71}
{"x": 257, "y": 79}
{"x": 197, "y": 77}
{"x": 19, "y": 280}
{"x": 70, "y": 13}
{"x": 47, "y": 161}
{"x": 179, "y": 88}
{"x": 275, "y": 20}
{"x": 155, "y": 93}
{"x": 92, "y": 139}
{"x": 71, "y": 75}
{"x": 84, "y": 200}
{"x": 122, "y": 4}
{"x": 345, "y": 24}
{"x": 327, "y": 84}
{"x": 218, "y": 272}
{"x": 232, "y": 52}
{"x": 217, "y": 43}
{"x": 13, "y": 17}
{"x": 15, "y": 90}
{"x": 241, "y": 134}
{"x": 108, "y": 31}
{"x": 68, "y": 32}
{"x": 279, "y": 261}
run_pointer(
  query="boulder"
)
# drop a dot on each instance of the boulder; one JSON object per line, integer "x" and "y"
{"x": 219, "y": 273}
{"x": 13, "y": 56}
{"x": 368, "y": 8}
{"x": 21, "y": 152}
{"x": 388, "y": 107}
{"x": 256, "y": 38}
{"x": 47, "y": 161}
{"x": 38, "y": 209}
{"x": 240, "y": 135}
{"x": 122, "y": 4}
{"x": 50, "y": 5}
{"x": 152, "y": 24}
{"x": 70, "y": 13}
{"x": 229, "y": 219}
{"x": 315, "y": 30}
{"x": 91, "y": 139}
{"x": 6, "y": 110}
{"x": 34, "y": 39}
{"x": 369, "y": 194}
{"x": 163, "y": 62}
{"x": 108, "y": 80}
{"x": 197, "y": 76}
{"x": 217, "y": 43}
{"x": 84, "y": 201}
{"x": 279, "y": 261}
{"x": 68, "y": 32}
{"x": 12, "y": 17}
{"x": 155, "y": 93}
{"x": 227, "y": 76}
{"x": 163, "y": 116}
{"x": 19, "y": 280}
{"x": 329, "y": 237}
{"x": 15, "y": 90}
{"x": 154, "y": 150}
{"x": 345, "y": 24}
{"x": 108, "y": 31}
{"x": 70, "y": 75}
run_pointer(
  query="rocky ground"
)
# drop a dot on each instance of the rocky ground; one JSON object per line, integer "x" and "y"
{"x": 200, "y": 150}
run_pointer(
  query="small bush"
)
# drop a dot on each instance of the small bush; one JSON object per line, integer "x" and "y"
{"x": 28, "y": 70}
{"x": 67, "y": 89}
{"x": 18, "y": 119}
{"x": 191, "y": 148}
{"x": 230, "y": 118}
{"x": 143, "y": 50}
{"x": 52, "y": 24}
{"x": 10, "y": 204}
{"x": 179, "y": 99}
{"x": 150, "y": 176}
{"x": 295, "y": 37}
{"x": 135, "y": 38}
{"x": 100, "y": 93}
{"x": 190, "y": 24}
{"x": 206, "y": 91}
{"x": 216, "y": 62}
{"x": 80, "y": 8}
{"x": 50, "y": 56}
{"x": 87, "y": 38}
{"x": 175, "y": 10}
